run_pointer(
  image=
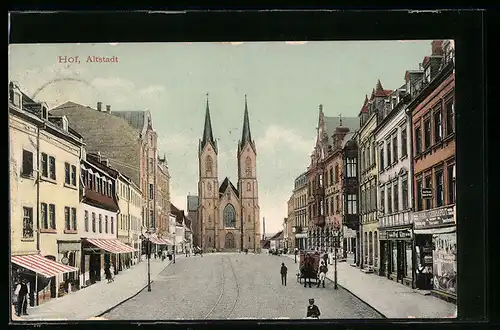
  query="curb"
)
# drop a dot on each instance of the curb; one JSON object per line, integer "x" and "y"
{"x": 129, "y": 298}
{"x": 355, "y": 295}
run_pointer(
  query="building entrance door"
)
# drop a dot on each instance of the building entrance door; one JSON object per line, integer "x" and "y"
{"x": 229, "y": 242}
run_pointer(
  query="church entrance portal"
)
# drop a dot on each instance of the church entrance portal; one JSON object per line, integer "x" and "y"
{"x": 229, "y": 241}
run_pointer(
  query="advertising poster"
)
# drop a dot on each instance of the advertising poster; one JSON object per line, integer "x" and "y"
{"x": 445, "y": 262}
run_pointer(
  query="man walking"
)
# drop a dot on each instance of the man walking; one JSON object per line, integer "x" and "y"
{"x": 322, "y": 273}
{"x": 283, "y": 272}
{"x": 22, "y": 299}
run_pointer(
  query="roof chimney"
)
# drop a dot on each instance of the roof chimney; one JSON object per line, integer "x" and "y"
{"x": 99, "y": 106}
{"x": 437, "y": 49}
{"x": 108, "y": 108}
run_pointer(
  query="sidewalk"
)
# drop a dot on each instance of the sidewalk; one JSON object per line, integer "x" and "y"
{"x": 97, "y": 298}
{"x": 391, "y": 299}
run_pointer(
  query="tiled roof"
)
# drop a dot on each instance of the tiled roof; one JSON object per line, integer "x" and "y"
{"x": 105, "y": 133}
{"x": 134, "y": 118}
{"x": 224, "y": 185}
{"x": 364, "y": 108}
{"x": 379, "y": 91}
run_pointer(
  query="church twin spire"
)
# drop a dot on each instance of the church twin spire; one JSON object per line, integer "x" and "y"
{"x": 208, "y": 137}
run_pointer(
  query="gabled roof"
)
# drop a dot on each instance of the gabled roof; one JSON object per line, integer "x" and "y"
{"x": 139, "y": 120}
{"x": 225, "y": 184}
{"x": 379, "y": 91}
{"x": 364, "y": 108}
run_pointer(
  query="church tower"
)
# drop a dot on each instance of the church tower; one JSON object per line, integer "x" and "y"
{"x": 248, "y": 187}
{"x": 208, "y": 184}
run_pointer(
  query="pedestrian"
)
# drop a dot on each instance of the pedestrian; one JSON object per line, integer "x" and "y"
{"x": 283, "y": 272}
{"x": 22, "y": 298}
{"x": 312, "y": 310}
{"x": 109, "y": 276}
{"x": 187, "y": 252}
{"x": 325, "y": 258}
{"x": 322, "y": 273}
{"x": 163, "y": 255}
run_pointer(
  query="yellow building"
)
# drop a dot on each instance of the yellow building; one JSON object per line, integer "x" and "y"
{"x": 44, "y": 179}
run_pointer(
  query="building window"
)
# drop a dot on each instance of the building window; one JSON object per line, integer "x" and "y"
{"x": 428, "y": 184}
{"x": 248, "y": 166}
{"x": 208, "y": 165}
{"x": 389, "y": 150}
{"x": 450, "y": 117}
{"x": 369, "y": 199}
{"x": 44, "y": 216}
{"x": 396, "y": 197}
{"x": 337, "y": 204}
{"x": 389, "y": 199}
{"x": 420, "y": 205}
{"x": 352, "y": 206}
{"x": 418, "y": 140}
{"x": 331, "y": 176}
{"x": 427, "y": 74}
{"x": 73, "y": 218}
{"x": 112, "y": 225}
{"x": 331, "y": 206}
{"x": 439, "y": 188}
{"x": 404, "y": 142}
{"x": 67, "y": 173}
{"x": 27, "y": 222}
{"x": 320, "y": 179}
{"x": 427, "y": 133}
{"x": 100, "y": 223}
{"x": 67, "y": 219}
{"x": 373, "y": 153}
{"x": 86, "y": 220}
{"x": 44, "y": 165}
{"x": 52, "y": 216}
{"x": 395, "y": 148}
{"x": 381, "y": 158}
{"x": 451, "y": 184}
{"x": 382, "y": 201}
{"x": 151, "y": 191}
{"x": 106, "y": 224}
{"x": 27, "y": 169}
{"x": 351, "y": 167}
{"x": 93, "y": 222}
{"x": 52, "y": 167}
{"x": 404, "y": 192}
{"x": 438, "y": 126}
{"x": 337, "y": 174}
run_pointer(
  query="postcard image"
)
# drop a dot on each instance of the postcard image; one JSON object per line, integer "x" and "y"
{"x": 232, "y": 180}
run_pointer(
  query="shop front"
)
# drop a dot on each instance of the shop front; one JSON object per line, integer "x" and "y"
{"x": 70, "y": 255}
{"x": 396, "y": 248}
{"x": 436, "y": 252}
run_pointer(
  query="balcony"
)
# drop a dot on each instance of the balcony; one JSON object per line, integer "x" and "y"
{"x": 297, "y": 229}
{"x": 319, "y": 220}
{"x": 351, "y": 221}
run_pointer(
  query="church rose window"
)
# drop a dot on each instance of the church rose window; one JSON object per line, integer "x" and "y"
{"x": 229, "y": 216}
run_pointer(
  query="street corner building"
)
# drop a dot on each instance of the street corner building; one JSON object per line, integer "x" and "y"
{"x": 228, "y": 217}
{"x": 44, "y": 172}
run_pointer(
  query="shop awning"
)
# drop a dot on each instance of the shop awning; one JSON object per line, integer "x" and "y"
{"x": 156, "y": 240}
{"x": 111, "y": 245}
{"x": 430, "y": 231}
{"x": 42, "y": 265}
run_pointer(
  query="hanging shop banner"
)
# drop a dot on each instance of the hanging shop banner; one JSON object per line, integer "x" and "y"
{"x": 445, "y": 262}
{"x": 398, "y": 234}
{"x": 434, "y": 218}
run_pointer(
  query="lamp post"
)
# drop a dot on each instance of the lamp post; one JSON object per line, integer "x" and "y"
{"x": 148, "y": 256}
{"x": 294, "y": 231}
{"x": 335, "y": 242}
{"x": 175, "y": 247}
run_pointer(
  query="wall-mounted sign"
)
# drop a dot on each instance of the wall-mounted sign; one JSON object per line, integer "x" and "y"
{"x": 398, "y": 234}
{"x": 426, "y": 193}
{"x": 434, "y": 218}
{"x": 64, "y": 260}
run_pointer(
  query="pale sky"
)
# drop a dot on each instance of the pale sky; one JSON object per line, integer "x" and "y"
{"x": 285, "y": 84}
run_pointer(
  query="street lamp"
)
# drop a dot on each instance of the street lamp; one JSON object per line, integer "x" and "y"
{"x": 335, "y": 244}
{"x": 148, "y": 256}
{"x": 175, "y": 241}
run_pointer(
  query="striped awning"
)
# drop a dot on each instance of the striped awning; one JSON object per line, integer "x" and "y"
{"x": 111, "y": 245}
{"x": 42, "y": 265}
{"x": 156, "y": 240}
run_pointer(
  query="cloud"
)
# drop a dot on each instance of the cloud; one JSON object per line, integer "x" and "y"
{"x": 113, "y": 84}
{"x": 176, "y": 142}
{"x": 278, "y": 137}
{"x": 151, "y": 90}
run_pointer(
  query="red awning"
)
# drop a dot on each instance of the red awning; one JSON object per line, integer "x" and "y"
{"x": 42, "y": 265}
{"x": 111, "y": 245}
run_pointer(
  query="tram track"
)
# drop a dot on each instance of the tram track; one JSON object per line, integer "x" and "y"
{"x": 226, "y": 311}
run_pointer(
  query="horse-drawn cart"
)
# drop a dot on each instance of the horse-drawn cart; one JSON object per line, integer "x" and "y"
{"x": 308, "y": 266}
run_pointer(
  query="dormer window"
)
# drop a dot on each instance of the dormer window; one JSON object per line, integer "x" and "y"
{"x": 16, "y": 98}
{"x": 408, "y": 86}
{"x": 45, "y": 112}
{"x": 427, "y": 74}
{"x": 64, "y": 123}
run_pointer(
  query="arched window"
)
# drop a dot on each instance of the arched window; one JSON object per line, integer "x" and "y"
{"x": 208, "y": 164}
{"x": 249, "y": 186}
{"x": 248, "y": 166}
{"x": 229, "y": 216}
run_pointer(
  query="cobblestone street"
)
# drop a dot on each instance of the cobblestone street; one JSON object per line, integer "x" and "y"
{"x": 233, "y": 286}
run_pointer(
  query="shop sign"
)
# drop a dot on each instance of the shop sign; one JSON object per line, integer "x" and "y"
{"x": 426, "y": 193}
{"x": 69, "y": 246}
{"x": 434, "y": 218}
{"x": 399, "y": 234}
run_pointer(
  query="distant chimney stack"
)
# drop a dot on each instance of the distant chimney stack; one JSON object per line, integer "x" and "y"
{"x": 437, "y": 47}
{"x": 99, "y": 106}
{"x": 108, "y": 108}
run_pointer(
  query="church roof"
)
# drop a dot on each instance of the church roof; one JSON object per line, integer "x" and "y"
{"x": 246, "y": 136}
{"x": 208, "y": 136}
{"x": 225, "y": 184}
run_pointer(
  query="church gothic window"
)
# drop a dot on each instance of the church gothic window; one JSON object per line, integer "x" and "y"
{"x": 208, "y": 164}
{"x": 249, "y": 186}
{"x": 209, "y": 186}
{"x": 229, "y": 216}
{"x": 248, "y": 165}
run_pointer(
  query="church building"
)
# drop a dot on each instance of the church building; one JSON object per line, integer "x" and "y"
{"x": 228, "y": 214}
